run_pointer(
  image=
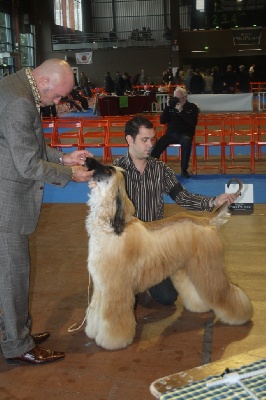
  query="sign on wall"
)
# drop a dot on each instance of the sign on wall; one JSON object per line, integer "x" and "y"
{"x": 246, "y": 36}
{"x": 84, "y": 58}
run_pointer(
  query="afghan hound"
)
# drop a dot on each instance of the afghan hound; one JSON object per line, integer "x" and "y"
{"x": 128, "y": 256}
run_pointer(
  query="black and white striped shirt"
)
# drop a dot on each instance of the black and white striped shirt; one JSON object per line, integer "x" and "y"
{"x": 146, "y": 189}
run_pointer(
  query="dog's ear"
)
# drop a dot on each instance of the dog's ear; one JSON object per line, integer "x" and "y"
{"x": 118, "y": 222}
{"x": 91, "y": 163}
{"x": 124, "y": 209}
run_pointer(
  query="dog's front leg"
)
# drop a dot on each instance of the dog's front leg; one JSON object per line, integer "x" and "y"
{"x": 116, "y": 326}
{"x": 92, "y": 315}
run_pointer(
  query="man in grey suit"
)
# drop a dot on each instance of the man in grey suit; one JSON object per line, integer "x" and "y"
{"x": 26, "y": 163}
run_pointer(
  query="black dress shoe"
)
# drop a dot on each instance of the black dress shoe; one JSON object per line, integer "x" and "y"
{"x": 40, "y": 337}
{"x": 37, "y": 356}
{"x": 185, "y": 174}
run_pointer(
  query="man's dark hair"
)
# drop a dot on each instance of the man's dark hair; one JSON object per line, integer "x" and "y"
{"x": 133, "y": 125}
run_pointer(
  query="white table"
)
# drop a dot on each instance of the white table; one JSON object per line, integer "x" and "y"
{"x": 222, "y": 102}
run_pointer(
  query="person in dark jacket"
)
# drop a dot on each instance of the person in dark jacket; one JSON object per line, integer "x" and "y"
{"x": 84, "y": 85}
{"x": 77, "y": 95}
{"x": 123, "y": 85}
{"x": 181, "y": 117}
{"x": 75, "y": 74}
{"x": 243, "y": 80}
{"x": 168, "y": 76}
{"x": 48, "y": 111}
{"x": 136, "y": 80}
{"x": 197, "y": 83}
{"x": 187, "y": 79}
{"x": 229, "y": 79}
{"x": 218, "y": 85}
{"x": 109, "y": 85}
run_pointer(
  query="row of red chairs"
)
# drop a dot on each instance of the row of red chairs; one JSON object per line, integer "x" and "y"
{"x": 227, "y": 133}
{"x": 231, "y": 132}
{"x": 85, "y": 133}
{"x": 221, "y": 131}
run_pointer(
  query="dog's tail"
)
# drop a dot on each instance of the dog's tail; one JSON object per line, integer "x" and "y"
{"x": 221, "y": 214}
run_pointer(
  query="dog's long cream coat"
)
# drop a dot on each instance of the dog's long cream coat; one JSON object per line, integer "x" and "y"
{"x": 128, "y": 256}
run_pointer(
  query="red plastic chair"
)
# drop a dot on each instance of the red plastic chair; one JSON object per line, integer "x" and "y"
{"x": 115, "y": 138}
{"x": 160, "y": 130}
{"x": 66, "y": 133}
{"x": 260, "y": 135}
{"x": 48, "y": 125}
{"x": 93, "y": 135}
{"x": 239, "y": 132}
{"x": 209, "y": 134}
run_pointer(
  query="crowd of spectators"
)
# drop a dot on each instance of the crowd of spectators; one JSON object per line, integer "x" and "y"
{"x": 214, "y": 80}
{"x": 143, "y": 34}
{"x": 200, "y": 80}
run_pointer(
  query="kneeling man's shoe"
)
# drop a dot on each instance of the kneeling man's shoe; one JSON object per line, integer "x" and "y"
{"x": 185, "y": 174}
{"x": 37, "y": 356}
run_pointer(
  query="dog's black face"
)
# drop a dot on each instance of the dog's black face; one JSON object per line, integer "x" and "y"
{"x": 101, "y": 171}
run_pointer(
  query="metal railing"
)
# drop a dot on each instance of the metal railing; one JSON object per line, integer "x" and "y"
{"x": 104, "y": 40}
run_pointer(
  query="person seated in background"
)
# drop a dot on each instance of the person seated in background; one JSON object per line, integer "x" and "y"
{"x": 144, "y": 33}
{"x": 112, "y": 35}
{"x": 72, "y": 99}
{"x": 135, "y": 35}
{"x": 74, "y": 106}
{"x": 167, "y": 34}
{"x": 181, "y": 117}
{"x": 109, "y": 84}
{"x": 77, "y": 95}
{"x": 148, "y": 33}
{"x": 48, "y": 111}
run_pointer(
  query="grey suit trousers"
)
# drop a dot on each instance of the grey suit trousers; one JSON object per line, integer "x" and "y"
{"x": 15, "y": 321}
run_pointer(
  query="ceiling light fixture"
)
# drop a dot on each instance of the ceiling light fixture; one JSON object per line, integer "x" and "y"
{"x": 250, "y": 50}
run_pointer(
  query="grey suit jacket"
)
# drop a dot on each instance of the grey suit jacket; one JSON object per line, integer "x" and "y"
{"x": 25, "y": 162}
